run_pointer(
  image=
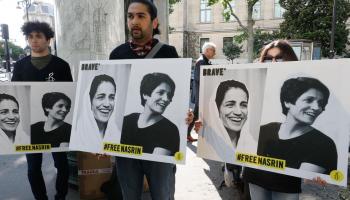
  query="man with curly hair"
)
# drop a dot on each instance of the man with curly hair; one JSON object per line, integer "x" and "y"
{"x": 42, "y": 66}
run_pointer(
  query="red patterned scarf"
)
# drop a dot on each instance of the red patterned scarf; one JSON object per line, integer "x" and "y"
{"x": 141, "y": 50}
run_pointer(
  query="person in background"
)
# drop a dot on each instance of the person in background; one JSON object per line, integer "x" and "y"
{"x": 208, "y": 52}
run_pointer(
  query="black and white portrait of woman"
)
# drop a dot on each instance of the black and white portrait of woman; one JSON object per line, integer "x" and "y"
{"x": 95, "y": 122}
{"x": 99, "y": 109}
{"x": 295, "y": 140}
{"x": 53, "y": 104}
{"x": 305, "y": 118}
{"x": 232, "y": 103}
{"x": 230, "y": 108}
{"x": 54, "y": 130}
{"x": 155, "y": 109}
{"x": 13, "y": 122}
{"x": 150, "y": 129}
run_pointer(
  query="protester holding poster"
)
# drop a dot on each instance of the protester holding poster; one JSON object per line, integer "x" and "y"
{"x": 42, "y": 66}
{"x": 142, "y": 23}
{"x": 146, "y": 129}
{"x": 54, "y": 130}
{"x": 264, "y": 185}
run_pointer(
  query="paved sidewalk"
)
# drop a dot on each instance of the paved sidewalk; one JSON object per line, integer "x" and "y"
{"x": 197, "y": 180}
{"x": 14, "y": 183}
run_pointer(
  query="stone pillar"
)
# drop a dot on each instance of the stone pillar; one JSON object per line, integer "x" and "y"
{"x": 163, "y": 17}
{"x": 88, "y": 30}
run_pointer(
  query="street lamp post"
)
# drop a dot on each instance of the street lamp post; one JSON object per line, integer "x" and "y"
{"x": 26, "y": 4}
{"x": 331, "y": 48}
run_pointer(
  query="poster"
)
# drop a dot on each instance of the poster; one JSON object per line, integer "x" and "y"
{"x": 35, "y": 117}
{"x": 156, "y": 108}
{"x": 51, "y": 121}
{"x": 99, "y": 108}
{"x": 300, "y": 127}
{"x": 141, "y": 116}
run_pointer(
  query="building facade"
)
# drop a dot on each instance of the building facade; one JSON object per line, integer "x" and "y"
{"x": 193, "y": 23}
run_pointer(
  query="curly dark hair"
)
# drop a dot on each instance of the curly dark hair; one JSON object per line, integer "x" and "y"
{"x": 40, "y": 27}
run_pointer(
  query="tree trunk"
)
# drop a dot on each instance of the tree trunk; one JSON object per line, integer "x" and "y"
{"x": 250, "y": 41}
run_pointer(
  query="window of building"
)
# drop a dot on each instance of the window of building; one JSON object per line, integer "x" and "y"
{"x": 201, "y": 43}
{"x": 205, "y": 11}
{"x": 32, "y": 8}
{"x": 45, "y": 9}
{"x": 226, "y": 41}
{"x": 257, "y": 10}
{"x": 233, "y": 5}
{"x": 278, "y": 9}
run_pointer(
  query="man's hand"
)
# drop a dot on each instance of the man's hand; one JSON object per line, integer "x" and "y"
{"x": 190, "y": 116}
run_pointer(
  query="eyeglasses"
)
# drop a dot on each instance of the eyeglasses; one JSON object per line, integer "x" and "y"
{"x": 277, "y": 58}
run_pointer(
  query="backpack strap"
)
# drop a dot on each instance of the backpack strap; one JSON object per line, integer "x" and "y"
{"x": 154, "y": 50}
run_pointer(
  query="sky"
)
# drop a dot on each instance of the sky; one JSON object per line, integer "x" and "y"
{"x": 13, "y": 17}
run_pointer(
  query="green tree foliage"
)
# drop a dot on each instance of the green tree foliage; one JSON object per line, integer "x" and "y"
{"x": 312, "y": 19}
{"x": 232, "y": 51}
{"x": 16, "y": 50}
{"x": 260, "y": 39}
{"x": 171, "y": 5}
{"x": 248, "y": 28}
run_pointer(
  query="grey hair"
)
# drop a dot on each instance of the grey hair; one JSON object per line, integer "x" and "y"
{"x": 208, "y": 45}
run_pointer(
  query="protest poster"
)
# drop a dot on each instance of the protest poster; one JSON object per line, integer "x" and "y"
{"x": 35, "y": 117}
{"x": 99, "y": 107}
{"x": 51, "y": 120}
{"x": 302, "y": 126}
{"x": 154, "y": 125}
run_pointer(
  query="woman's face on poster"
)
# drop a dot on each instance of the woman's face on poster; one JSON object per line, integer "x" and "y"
{"x": 307, "y": 107}
{"x": 102, "y": 104}
{"x": 160, "y": 98}
{"x": 233, "y": 110}
{"x": 9, "y": 115}
{"x": 59, "y": 110}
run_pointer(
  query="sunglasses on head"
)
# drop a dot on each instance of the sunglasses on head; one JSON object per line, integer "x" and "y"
{"x": 277, "y": 58}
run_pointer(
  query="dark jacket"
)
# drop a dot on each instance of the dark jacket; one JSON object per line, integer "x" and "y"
{"x": 195, "y": 82}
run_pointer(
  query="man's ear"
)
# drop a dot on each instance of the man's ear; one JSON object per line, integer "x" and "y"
{"x": 155, "y": 23}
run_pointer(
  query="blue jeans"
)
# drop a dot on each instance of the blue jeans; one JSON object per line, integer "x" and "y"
{"x": 260, "y": 193}
{"x": 36, "y": 178}
{"x": 160, "y": 177}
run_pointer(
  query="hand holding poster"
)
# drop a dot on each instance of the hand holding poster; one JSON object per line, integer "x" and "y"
{"x": 304, "y": 123}
{"x": 151, "y": 102}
